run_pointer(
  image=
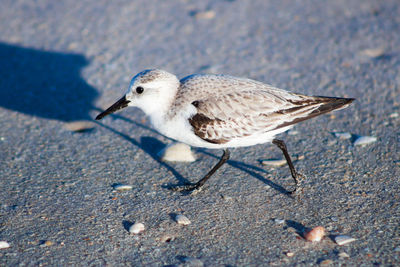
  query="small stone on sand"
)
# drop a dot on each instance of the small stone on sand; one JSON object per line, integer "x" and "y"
{"x": 177, "y": 152}
{"x": 4, "y": 244}
{"x": 315, "y": 235}
{"x": 136, "y": 228}
{"x": 182, "y": 219}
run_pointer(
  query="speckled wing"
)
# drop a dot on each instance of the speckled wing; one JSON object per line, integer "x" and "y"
{"x": 229, "y": 108}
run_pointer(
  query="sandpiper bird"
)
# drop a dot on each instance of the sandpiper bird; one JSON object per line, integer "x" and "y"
{"x": 220, "y": 111}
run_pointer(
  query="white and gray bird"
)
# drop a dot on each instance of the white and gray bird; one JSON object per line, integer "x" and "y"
{"x": 221, "y": 111}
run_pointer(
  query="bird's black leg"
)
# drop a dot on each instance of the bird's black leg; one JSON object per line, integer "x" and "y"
{"x": 191, "y": 187}
{"x": 294, "y": 173}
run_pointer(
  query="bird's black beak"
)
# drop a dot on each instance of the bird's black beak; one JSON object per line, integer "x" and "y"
{"x": 120, "y": 104}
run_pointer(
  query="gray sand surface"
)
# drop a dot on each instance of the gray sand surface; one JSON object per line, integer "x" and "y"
{"x": 65, "y": 61}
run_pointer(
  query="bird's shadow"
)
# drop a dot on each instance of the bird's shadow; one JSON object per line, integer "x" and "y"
{"x": 149, "y": 145}
{"x": 44, "y": 84}
{"x": 152, "y": 146}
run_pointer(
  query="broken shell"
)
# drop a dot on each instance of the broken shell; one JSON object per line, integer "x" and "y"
{"x": 182, "y": 219}
{"x": 274, "y": 162}
{"x": 4, "y": 244}
{"x": 177, "y": 152}
{"x": 364, "y": 140}
{"x": 373, "y": 52}
{"x": 289, "y": 254}
{"x": 343, "y": 239}
{"x": 136, "y": 228}
{"x": 315, "y": 235}
{"x": 122, "y": 187}
{"x": 342, "y": 135}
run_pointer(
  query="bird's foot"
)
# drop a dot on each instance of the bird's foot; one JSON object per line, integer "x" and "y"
{"x": 299, "y": 178}
{"x": 190, "y": 188}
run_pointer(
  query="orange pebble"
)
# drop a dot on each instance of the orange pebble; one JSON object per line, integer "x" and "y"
{"x": 315, "y": 235}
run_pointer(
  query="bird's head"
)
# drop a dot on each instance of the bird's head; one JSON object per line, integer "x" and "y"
{"x": 150, "y": 90}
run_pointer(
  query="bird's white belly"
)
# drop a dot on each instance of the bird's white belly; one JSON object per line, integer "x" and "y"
{"x": 181, "y": 130}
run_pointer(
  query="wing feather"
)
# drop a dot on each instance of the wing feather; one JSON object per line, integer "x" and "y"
{"x": 230, "y": 108}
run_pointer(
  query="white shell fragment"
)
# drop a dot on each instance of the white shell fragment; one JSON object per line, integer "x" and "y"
{"x": 343, "y": 255}
{"x": 364, "y": 140}
{"x": 342, "y": 135}
{"x": 182, "y": 219}
{"x": 123, "y": 187}
{"x": 79, "y": 126}
{"x": 274, "y": 162}
{"x": 279, "y": 221}
{"x": 289, "y": 254}
{"x": 177, "y": 152}
{"x": 343, "y": 239}
{"x": 315, "y": 234}
{"x": 136, "y": 228}
{"x": 373, "y": 52}
{"x": 4, "y": 244}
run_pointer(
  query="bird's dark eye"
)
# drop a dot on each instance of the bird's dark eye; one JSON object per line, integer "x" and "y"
{"x": 139, "y": 89}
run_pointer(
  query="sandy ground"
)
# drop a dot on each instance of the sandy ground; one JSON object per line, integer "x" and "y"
{"x": 64, "y": 61}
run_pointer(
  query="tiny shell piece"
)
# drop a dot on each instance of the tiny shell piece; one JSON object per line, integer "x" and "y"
{"x": 136, "y": 228}
{"x": 343, "y": 255}
{"x": 182, "y": 219}
{"x": 274, "y": 162}
{"x": 122, "y": 187}
{"x": 344, "y": 135}
{"x": 373, "y": 52}
{"x": 289, "y": 254}
{"x": 177, "y": 152}
{"x": 315, "y": 235}
{"x": 4, "y": 244}
{"x": 364, "y": 140}
{"x": 343, "y": 239}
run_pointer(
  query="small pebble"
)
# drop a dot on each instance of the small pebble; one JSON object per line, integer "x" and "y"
{"x": 177, "y": 152}
{"x": 167, "y": 238}
{"x": 48, "y": 243}
{"x": 192, "y": 262}
{"x": 123, "y": 187}
{"x": 205, "y": 15}
{"x": 343, "y": 255}
{"x": 289, "y": 254}
{"x": 279, "y": 221}
{"x": 274, "y": 162}
{"x": 364, "y": 140}
{"x": 226, "y": 198}
{"x": 315, "y": 235}
{"x": 4, "y": 244}
{"x": 343, "y": 239}
{"x": 136, "y": 228}
{"x": 394, "y": 115}
{"x": 342, "y": 135}
{"x": 326, "y": 262}
{"x": 79, "y": 126}
{"x": 182, "y": 219}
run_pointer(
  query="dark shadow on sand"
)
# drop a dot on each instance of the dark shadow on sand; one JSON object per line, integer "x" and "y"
{"x": 44, "y": 84}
